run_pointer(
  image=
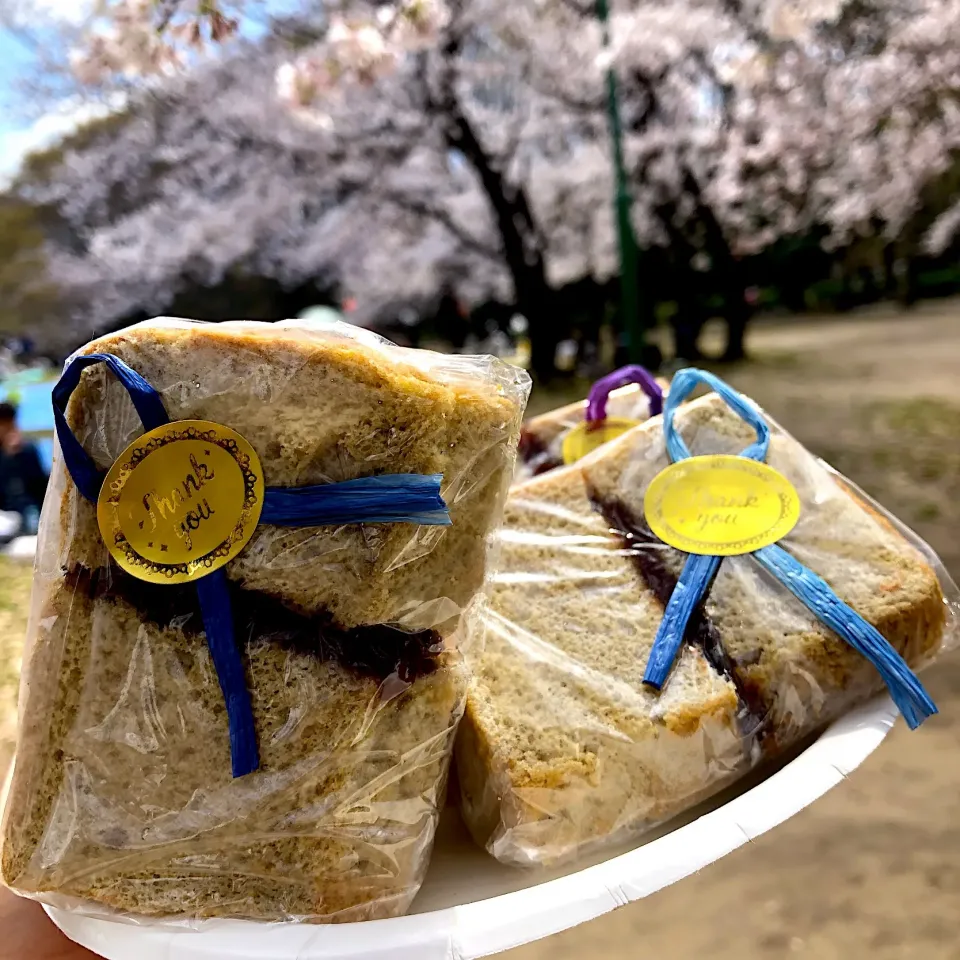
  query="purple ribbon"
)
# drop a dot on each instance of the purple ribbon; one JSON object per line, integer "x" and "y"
{"x": 601, "y": 390}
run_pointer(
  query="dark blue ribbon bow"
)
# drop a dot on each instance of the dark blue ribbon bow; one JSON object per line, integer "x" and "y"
{"x": 699, "y": 571}
{"x": 393, "y": 498}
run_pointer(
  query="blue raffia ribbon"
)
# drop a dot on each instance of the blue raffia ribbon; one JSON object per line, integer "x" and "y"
{"x": 393, "y": 498}
{"x": 699, "y": 572}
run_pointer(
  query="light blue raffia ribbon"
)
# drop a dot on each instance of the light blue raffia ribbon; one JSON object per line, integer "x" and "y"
{"x": 699, "y": 572}
{"x": 393, "y": 498}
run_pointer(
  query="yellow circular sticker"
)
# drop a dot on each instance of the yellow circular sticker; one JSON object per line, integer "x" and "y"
{"x": 181, "y": 501}
{"x": 585, "y": 437}
{"x": 720, "y": 505}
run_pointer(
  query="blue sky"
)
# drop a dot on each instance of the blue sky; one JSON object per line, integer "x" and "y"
{"x": 15, "y": 61}
{"x": 14, "y": 58}
{"x": 19, "y": 133}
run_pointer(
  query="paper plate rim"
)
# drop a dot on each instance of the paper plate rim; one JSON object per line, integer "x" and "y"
{"x": 500, "y": 923}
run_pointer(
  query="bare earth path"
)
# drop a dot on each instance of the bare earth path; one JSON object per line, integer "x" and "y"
{"x": 873, "y": 869}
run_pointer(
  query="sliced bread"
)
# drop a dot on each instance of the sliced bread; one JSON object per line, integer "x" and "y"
{"x": 793, "y": 670}
{"x": 352, "y": 640}
{"x": 319, "y": 406}
{"x": 122, "y": 790}
{"x": 562, "y": 747}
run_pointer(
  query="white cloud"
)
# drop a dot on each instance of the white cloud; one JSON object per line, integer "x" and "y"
{"x": 44, "y": 132}
{"x": 63, "y": 11}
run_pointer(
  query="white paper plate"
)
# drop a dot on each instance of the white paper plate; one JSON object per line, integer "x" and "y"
{"x": 471, "y": 906}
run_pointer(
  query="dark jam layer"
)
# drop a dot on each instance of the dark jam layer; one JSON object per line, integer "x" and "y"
{"x": 378, "y": 650}
{"x": 647, "y": 553}
{"x": 537, "y": 456}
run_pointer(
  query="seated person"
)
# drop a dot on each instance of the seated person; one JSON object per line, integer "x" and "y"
{"x": 23, "y": 480}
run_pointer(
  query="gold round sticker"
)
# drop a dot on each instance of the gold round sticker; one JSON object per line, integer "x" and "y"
{"x": 720, "y": 505}
{"x": 181, "y": 501}
{"x": 585, "y": 437}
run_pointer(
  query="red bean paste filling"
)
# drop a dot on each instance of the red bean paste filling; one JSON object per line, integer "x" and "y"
{"x": 702, "y": 632}
{"x": 377, "y": 651}
{"x": 538, "y": 456}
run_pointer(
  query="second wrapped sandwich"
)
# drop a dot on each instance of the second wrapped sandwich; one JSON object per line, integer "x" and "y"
{"x": 690, "y": 598}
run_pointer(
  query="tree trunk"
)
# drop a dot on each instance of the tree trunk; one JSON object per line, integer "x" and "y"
{"x": 687, "y": 322}
{"x": 737, "y": 312}
{"x": 543, "y": 348}
{"x": 686, "y": 334}
{"x": 520, "y": 239}
{"x": 730, "y": 269}
{"x": 889, "y": 271}
{"x": 736, "y": 332}
{"x": 908, "y": 286}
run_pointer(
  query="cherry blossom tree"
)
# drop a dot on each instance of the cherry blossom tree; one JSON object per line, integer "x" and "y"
{"x": 755, "y": 123}
{"x": 183, "y": 190}
{"x": 747, "y": 121}
{"x": 137, "y": 38}
{"x": 492, "y": 102}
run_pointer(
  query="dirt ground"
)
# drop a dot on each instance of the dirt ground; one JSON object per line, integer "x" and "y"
{"x": 873, "y": 869}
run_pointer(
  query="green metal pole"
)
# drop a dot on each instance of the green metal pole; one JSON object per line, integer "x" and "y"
{"x": 629, "y": 290}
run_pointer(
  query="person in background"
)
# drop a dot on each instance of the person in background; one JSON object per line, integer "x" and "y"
{"x": 23, "y": 480}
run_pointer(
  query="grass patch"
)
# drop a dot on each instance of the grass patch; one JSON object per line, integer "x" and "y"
{"x": 917, "y": 438}
{"x": 780, "y": 360}
{"x": 927, "y": 417}
{"x": 928, "y": 512}
{"x": 16, "y": 578}
{"x": 906, "y": 454}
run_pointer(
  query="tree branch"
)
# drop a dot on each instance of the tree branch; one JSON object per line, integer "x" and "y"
{"x": 735, "y": 10}
{"x": 424, "y": 208}
{"x": 583, "y": 8}
{"x": 572, "y": 101}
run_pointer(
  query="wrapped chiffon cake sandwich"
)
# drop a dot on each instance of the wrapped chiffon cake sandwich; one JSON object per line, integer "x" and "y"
{"x": 259, "y": 563}
{"x": 690, "y": 598}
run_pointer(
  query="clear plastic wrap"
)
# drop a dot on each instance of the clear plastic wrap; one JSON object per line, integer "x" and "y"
{"x": 353, "y": 639}
{"x": 563, "y": 748}
{"x": 541, "y": 439}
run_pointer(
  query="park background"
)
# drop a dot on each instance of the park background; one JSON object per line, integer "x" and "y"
{"x": 765, "y": 187}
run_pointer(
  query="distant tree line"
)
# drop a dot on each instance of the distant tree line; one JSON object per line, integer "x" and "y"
{"x": 780, "y": 156}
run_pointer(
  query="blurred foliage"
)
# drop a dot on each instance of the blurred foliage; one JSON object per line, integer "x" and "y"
{"x": 15, "y": 583}
{"x": 41, "y": 165}
{"x": 686, "y": 279}
{"x": 26, "y": 295}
